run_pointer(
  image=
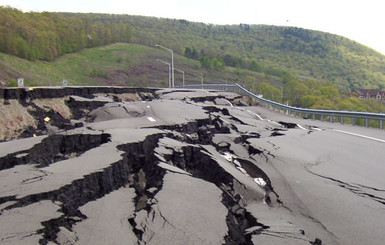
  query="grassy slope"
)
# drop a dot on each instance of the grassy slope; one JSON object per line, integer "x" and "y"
{"x": 304, "y": 53}
{"x": 118, "y": 64}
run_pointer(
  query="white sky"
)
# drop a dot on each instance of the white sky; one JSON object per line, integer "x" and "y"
{"x": 360, "y": 20}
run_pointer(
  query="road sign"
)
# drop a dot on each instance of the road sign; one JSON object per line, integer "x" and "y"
{"x": 20, "y": 82}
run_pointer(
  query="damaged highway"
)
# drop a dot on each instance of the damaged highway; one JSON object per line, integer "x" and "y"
{"x": 105, "y": 165}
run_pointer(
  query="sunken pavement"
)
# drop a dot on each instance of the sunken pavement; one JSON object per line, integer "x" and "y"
{"x": 144, "y": 166}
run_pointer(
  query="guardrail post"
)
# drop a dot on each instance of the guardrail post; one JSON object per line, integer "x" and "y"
{"x": 313, "y": 116}
{"x": 331, "y": 118}
{"x": 322, "y": 118}
{"x": 300, "y": 115}
{"x": 353, "y": 121}
{"x": 367, "y": 122}
{"x": 381, "y": 124}
{"x": 342, "y": 120}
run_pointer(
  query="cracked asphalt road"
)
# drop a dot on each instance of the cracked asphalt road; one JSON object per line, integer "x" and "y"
{"x": 192, "y": 167}
{"x": 336, "y": 173}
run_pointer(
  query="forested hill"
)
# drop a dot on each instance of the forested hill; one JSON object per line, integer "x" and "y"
{"x": 302, "y": 53}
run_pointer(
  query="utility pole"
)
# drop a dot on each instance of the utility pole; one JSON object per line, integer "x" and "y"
{"x": 200, "y": 76}
{"x": 182, "y": 74}
{"x": 172, "y": 62}
{"x": 169, "y": 71}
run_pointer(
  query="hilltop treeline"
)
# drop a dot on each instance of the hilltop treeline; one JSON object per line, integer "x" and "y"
{"x": 45, "y": 36}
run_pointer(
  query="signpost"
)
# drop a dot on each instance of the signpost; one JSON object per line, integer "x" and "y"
{"x": 20, "y": 82}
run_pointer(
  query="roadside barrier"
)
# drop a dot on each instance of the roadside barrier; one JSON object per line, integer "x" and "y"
{"x": 354, "y": 117}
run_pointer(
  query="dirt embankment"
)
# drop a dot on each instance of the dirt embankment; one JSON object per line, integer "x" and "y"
{"x": 29, "y": 112}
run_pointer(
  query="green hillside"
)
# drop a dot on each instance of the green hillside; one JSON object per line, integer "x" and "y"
{"x": 304, "y": 53}
{"x": 120, "y": 64}
{"x": 301, "y": 67}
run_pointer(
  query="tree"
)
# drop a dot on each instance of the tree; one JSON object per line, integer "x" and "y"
{"x": 330, "y": 92}
{"x": 296, "y": 90}
{"x": 270, "y": 92}
{"x": 308, "y": 101}
{"x": 254, "y": 66}
{"x": 191, "y": 53}
{"x": 215, "y": 63}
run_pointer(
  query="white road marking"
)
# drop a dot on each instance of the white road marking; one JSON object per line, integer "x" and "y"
{"x": 316, "y": 129}
{"x": 230, "y": 103}
{"x": 236, "y": 162}
{"x": 278, "y": 124}
{"x": 210, "y": 92}
{"x": 303, "y": 128}
{"x": 148, "y": 106}
{"x": 243, "y": 171}
{"x": 231, "y": 158}
{"x": 228, "y": 156}
{"x": 260, "y": 181}
{"x": 225, "y": 121}
{"x": 274, "y": 122}
{"x": 151, "y": 119}
{"x": 260, "y": 118}
{"x": 360, "y": 135}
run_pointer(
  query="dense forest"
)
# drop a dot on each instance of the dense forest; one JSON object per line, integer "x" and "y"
{"x": 302, "y": 67}
{"x": 45, "y": 36}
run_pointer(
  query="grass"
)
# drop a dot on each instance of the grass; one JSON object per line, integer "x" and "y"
{"x": 119, "y": 64}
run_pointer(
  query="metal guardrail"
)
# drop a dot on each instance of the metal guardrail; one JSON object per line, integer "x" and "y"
{"x": 212, "y": 86}
{"x": 301, "y": 112}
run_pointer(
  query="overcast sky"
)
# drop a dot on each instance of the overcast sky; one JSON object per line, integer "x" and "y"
{"x": 360, "y": 20}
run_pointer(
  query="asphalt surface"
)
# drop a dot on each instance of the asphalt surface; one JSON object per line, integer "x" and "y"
{"x": 334, "y": 174}
{"x": 194, "y": 167}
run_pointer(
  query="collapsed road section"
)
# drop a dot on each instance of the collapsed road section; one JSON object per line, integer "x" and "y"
{"x": 103, "y": 166}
